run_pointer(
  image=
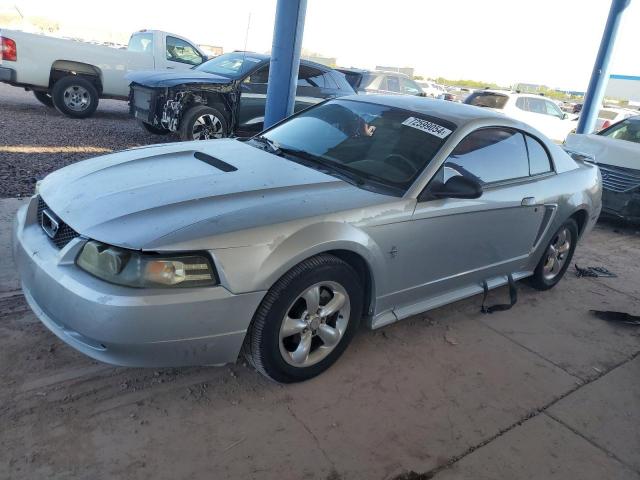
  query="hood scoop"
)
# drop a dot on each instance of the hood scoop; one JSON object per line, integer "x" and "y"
{"x": 214, "y": 162}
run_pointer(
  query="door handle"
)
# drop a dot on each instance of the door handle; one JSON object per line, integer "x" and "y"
{"x": 528, "y": 201}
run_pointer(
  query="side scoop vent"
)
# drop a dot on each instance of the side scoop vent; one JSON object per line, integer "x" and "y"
{"x": 214, "y": 162}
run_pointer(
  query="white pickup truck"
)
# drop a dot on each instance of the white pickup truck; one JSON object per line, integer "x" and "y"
{"x": 73, "y": 75}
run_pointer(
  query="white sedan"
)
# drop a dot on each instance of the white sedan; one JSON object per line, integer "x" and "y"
{"x": 616, "y": 150}
{"x": 540, "y": 112}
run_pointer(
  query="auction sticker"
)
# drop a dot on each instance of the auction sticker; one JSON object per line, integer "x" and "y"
{"x": 427, "y": 126}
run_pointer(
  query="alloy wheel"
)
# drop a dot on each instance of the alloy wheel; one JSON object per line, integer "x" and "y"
{"x": 557, "y": 253}
{"x": 314, "y": 324}
{"x": 207, "y": 127}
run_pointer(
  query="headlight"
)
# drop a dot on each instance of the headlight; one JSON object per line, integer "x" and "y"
{"x": 151, "y": 270}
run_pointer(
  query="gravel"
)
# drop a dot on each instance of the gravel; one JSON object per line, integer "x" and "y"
{"x": 36, "y": 140}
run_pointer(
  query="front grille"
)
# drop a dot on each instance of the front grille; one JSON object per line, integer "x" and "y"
{"x": 64, "y": 234}
{"x": 619, "y": 179}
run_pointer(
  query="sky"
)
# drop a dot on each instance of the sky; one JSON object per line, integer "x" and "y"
{"x": 551, "y": 42}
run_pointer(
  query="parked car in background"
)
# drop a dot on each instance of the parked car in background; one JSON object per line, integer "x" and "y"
{"x": 607, "y": 116}
{"x": 224, "y": 96}
{"x": 432, "y": 89}
{"x": 450, "y": 97}
{"x": 537, "y": 111}
{"x": 366, "y": 82}
{"x": 461, "y": 93}
{"x": 360, "y": 208}
{"x": 616, "y": 151}
{"x": 73, "y": 75}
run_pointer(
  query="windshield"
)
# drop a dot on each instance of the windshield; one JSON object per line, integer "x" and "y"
{"x": 628, "y": 130}
{"x": 369, "y": 142}
{"x": 487, "y": 99}
{"x": 232, "y": 65}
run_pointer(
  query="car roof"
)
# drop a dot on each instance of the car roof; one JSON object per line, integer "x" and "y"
{"x": 266, "y": 57}
{"x": 511, "y": 93}
{"x": 363, "y": 71}
{"x": 457, "y": 113}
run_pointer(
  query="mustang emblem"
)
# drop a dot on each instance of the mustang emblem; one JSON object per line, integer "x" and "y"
{"x": 49, "y": 224}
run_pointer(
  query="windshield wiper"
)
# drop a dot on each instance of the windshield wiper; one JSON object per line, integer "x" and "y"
{"x": 272, "y": 146}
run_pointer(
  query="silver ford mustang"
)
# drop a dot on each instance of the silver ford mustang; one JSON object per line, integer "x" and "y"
{"x": 361, "y": 208}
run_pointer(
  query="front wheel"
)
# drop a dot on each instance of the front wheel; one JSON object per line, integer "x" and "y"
{"x": 306, "y": 320}
{"x": 75, "y": 96}
{"x": 557, "y": 257}
{"x": 203, "y": 123}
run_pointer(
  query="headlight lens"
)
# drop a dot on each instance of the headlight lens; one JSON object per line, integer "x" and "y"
{"x": 150, "y": 270}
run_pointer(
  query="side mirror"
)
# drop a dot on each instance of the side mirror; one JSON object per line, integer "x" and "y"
{"x": 458, "y": 187}
{"x": 565, "y": 115}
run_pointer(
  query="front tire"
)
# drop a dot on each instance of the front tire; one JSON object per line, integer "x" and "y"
{"x": 44, "y": 98}
{"x": 75, "y": 96}
{"x": 306, "y": 320}
{"x": 557, "y": 257}
{"x": 203, "y": 123}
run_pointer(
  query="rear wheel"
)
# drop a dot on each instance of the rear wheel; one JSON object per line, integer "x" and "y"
{"x": 306, "y": 320}
{"x": 75, "y": 96}
{"x": 557, "y": 257}
{"x": 153, "y": 129}
{"x": 43, "y": 97}
{"x": 203, "y": 123}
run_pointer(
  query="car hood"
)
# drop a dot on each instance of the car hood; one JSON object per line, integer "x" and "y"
{"x": 162, "y": 195}
{"x": 605, "y": 150}
{"x": 156, "y": 78}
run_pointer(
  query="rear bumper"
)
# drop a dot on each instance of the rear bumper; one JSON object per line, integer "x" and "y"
{"x": 7, "y": 75}
{"x": 126, "y": 326}
{"x": 625, "y": 205}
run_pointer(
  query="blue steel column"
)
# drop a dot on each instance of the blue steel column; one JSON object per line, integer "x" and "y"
{"x": 600, "y": 75}
{"x": 285, "y": 60}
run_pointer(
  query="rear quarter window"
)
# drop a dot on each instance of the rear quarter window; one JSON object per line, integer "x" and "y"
{"x": 539, "y": 161}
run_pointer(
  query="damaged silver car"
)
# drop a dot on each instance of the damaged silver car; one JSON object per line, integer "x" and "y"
{"x": 360, "y": 209}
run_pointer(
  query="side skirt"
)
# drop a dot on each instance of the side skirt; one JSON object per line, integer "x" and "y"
{"x": 399, "y": 313}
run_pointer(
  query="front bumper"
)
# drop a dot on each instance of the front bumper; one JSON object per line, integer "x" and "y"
{"x": 625, "y": 205}
{"x": 7, "y": 75}
{"x": 126, "y": 326}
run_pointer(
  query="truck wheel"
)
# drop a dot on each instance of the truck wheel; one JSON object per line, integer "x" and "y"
{"x": 75, "y": 96}
{"x": 153, "y": 129}
{"x": 203, "y": 123}
{"x": 44, "y": 98}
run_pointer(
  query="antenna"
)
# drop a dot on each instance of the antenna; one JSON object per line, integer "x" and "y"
{"x": 19, "y": 12}
{"x": 246, "y": 40}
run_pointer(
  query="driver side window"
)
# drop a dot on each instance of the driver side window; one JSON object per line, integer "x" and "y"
{"x": 180, "y": 51}
{"x": 552, "y": 109}
{"x": 489, "y": 155}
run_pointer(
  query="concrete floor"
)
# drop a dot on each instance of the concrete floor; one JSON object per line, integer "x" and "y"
{"x": 544, "y": 391}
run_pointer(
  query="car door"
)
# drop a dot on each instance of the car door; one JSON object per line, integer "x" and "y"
{"x": 537, "y": 116}
{"x": 392, "y": 84}
{"x": 253, "y": 99}
{"x": 451, "y": 244}
{"x": 180, "y": 54}
{"x": 409, "y": 87}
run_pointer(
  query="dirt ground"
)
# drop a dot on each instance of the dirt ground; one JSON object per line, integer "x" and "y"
{"x": 542, "y": 391}
{"x": 36, "y": 140}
